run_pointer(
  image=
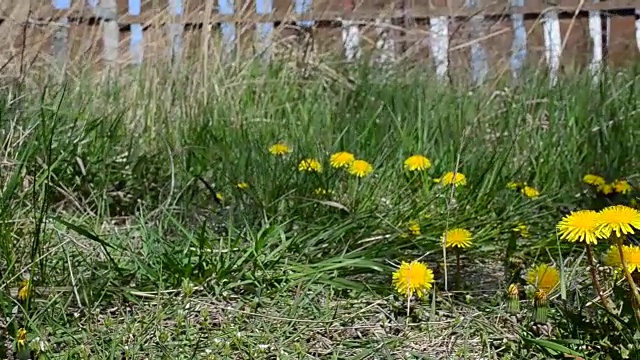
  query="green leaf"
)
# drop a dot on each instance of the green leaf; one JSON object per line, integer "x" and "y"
{"x": 552, "y": 347}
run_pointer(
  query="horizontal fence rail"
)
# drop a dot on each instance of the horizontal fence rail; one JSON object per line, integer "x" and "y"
{"x": 97, "y": 14}
{"x": 391, "y": 20}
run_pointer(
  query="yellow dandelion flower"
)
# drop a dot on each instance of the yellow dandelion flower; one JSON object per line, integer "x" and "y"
{"x": 24, "y": 291}
{"x": 618, "y": 219}
{"x": 219, "y": 197}
{"x": 513, "y": 185}
{"x": 580, "y": 226}
{"x": 522, "y": 230}
{"x": 594, "y": 180}
{"x": 612, "y": 256}
{"x": 360, "y": 168}
{"x": 413, "y": 278}
{"x": 414, "y": 228}
{"x": 605, "y": 189}
{"x": 622, "y": 186}
{"x": 544, "y": 277}
{"x": 631, "y": 255}
{"x": 530, "y": 192}
{"x": 417, "y": 163}
{"x": 341, "y": 159}
{"x": 242, "y": 185}
{"x": 279, "y": 149}
{"x": 310, "y": 165}
{"x": 457, "y": 238}
{"x": 21, "y": 339}
{"x": 451, "y": 178}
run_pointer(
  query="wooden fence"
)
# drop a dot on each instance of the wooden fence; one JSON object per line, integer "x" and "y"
{"x": 586, "y": 28}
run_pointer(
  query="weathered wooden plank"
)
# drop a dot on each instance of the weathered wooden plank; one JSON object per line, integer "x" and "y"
{"x": 385, "y": 44}
{"x": 440, "y": 45}
{"x": 419, "y": 12}
{"x": 228, "y": 29}
{"x": 519, "y": 45}
{"x": 553, "y": 44}
{"x": 136, "y": 41}
{"x": 302, "y": 7}
{"x": 61, "y": 35}
{"x": 638, "y": 28}
{"x": 264, "y": 30}
{"x": 176, "y": 29}
{"x": 110, "y": 31}
{"x": 595, "y": 32}
{"x": 479, "y": 65}
{"x": 350, "y": 33}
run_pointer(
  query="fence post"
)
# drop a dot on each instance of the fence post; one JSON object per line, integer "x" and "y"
{"x": 305, "y": 36}
{"x": 175, "y": 31}
{"x": 228, "y": 30}
{"x": 439, "y": 33}
{"x": 110, "y": 31}
{"x": 301, "y": 7}
{"x": 638, "y": 28}
{"x": 350, "y": 34}
{"x": 264, "y": 31}
{"x": 61, "y": 35}
{"x": 136, "y": 45}
{"x": 479, "y": 66}
{"x": 552, "y": 43}
{"x": 519, "y": 45}
{"x": 595, "y": 32}
{"x": 385, "y": 46}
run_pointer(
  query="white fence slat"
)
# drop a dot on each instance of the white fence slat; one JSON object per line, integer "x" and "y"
{"x": 637, "y": 28}
{"x": 61, "y": 35}
{"x": 385, "y": 46}
{"x": 519, "y": 45}
{"x": 552, "y": 44}
{"x": 479, "y": 65}
{"x": 264, "y": 31}
{"x": 440, "y": 45}
{"x": 595, "y": 32}
{"x": 136, "y": 44}
{"x": 176, "y": 31}
{"x": 301, "y": 7}
{"x": 351, "y": 40}
{"x": 110, "y": 31}
{"x": 227, "y": 30}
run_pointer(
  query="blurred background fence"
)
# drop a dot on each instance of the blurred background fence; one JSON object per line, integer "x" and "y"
{"x": 472, "y": 36}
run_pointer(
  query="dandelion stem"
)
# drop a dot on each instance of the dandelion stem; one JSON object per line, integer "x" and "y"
{"x": 596, "y": 282}
{"x": 627, "y": 275}
{"x": 408, "y": 306}
{"x": 458, "y": 269}
{"x": 444, "y": 260}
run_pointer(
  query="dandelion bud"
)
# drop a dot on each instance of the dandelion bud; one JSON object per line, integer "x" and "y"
{"x": 541, "y": 306}
{"x": 21, "y": 339}
{"x": 513, "y": 303}
{"x": 24, "y": 291}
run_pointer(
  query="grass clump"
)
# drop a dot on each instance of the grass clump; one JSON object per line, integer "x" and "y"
{"x": 253, "y": 215}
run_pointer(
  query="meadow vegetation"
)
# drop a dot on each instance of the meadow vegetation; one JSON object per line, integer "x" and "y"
{"x": 255, "y": 213}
